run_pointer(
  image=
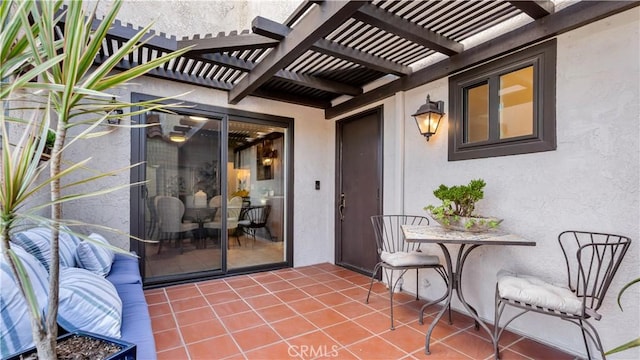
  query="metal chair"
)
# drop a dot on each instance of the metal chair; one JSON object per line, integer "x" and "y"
{"x": 592, "y": 260}
{"x": 254, "y": 218}
{"x": 397, "y": 254}
{"x": 170, "y": 211}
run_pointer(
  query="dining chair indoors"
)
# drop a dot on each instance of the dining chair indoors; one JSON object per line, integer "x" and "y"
{"x": 397, "y": 254}
{"x": 254, "y": 218}
{"x": 234, "y": 207}
{"x": 592, "y": 260}
{"x": 170, "y": 211}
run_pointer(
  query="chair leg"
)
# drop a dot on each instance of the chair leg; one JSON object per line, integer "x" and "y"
{"x": 373, "y": 275}
{"x": 595, "y": 337}
{"x": 269, "y": 233}
{"x": 391, "y": 286}
{"x": 417, "y": 285}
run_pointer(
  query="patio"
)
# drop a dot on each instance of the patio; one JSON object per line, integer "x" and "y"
{"x": 311, "y": 312}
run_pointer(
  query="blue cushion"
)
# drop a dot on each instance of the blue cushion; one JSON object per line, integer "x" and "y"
{"x": 136, "y": 322}
{"x": 94, "y": 257}
{"x": 88, "y": 302}
{"x": 15, "y": 321}
{"x": 37, "y": 242}
{"x": 125, "y": 270}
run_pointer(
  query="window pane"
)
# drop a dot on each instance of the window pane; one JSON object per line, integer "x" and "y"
{"x": 477, "y": 121}
{"x": 516, "y": 103}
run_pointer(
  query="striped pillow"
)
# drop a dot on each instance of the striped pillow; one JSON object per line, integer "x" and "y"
{"x": 88, "y": 302}
{"x": 93, "y": 257}
{"x": 37, "y": 242}
{"x": 15, "y": 322}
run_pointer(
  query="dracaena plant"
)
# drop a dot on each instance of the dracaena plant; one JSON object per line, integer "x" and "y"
{"x": 54, "y": 81}
{"x": 632, "y": 343}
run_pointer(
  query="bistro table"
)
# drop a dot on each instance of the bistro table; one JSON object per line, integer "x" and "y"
{"x": 443, "y": 237}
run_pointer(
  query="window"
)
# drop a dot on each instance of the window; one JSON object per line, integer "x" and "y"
{"x": 504, "y": 107}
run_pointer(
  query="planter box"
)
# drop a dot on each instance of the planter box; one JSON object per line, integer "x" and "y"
{"x": 127, "y": 352}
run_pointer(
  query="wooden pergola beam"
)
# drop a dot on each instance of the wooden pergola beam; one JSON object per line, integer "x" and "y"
{"x": 567, "y": 19}
{"x": 276, "y": 30}
{"x": 319, "y": 21}
{"x": 394, "y": 24}
{"x": 291, "y": 99}
{"x": 535, "y": 9}
{"x": 318, "y": 83}
{"x": 220, "y": 44}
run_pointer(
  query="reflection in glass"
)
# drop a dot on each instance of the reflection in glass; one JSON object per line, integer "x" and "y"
{"x": 477, "y": 114}
{"x": 186, "y": 206}
{"x": 516, "y": 103}
{"x": 183, "y": 160}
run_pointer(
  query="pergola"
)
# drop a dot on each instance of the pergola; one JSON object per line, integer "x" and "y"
{"x": 327, "y": 54}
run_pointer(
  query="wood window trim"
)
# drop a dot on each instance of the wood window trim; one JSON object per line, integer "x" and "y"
{"x": 543, "y": 57}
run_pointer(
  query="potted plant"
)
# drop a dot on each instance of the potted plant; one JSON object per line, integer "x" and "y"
{"x": 456, "y": 211}
{"x": 635, "y": 342}
{"x": 63, "y": 87}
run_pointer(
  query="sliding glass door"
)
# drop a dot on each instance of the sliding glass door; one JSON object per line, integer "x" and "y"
{"x": 182, "y": 197}
{"x": 215, "y": 195}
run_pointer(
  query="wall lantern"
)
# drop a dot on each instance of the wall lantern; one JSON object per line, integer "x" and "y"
{"x": 428, "y": 117}
{"x": 117, "y": 114}
{"x": 177, "y": 137}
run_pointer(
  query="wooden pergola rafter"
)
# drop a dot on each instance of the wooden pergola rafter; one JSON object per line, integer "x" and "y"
{"x": 330, "y": 50}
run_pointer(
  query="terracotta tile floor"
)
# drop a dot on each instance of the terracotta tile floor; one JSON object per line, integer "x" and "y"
{"x": 313, "y": 312}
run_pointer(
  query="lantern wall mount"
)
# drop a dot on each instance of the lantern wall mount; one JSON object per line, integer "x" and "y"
{"x": 428, "y": 117}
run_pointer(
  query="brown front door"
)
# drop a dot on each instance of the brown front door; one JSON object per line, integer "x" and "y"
{"x": 358, "y": 189}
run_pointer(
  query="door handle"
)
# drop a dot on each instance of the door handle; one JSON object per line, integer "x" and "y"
{"x": 343, "y": 204}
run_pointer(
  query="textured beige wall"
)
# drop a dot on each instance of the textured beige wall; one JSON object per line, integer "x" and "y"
{"x": 188, "y": 17}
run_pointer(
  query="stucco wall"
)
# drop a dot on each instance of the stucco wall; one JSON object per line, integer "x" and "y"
{"x": 313, "y": 149}
{"x": 590, "y": 182}
{"x": 314, "y": 137}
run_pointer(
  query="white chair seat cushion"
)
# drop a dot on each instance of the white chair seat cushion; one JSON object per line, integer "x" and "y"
{"x": 535, "y": 291}
{"x": 400, "y": 258}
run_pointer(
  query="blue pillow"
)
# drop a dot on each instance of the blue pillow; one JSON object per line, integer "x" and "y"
{"x": 15, "y": 321}
{"x": 88, "y": 302}
{"x": 93, "y": 257}
{"x": 37, "y": 242}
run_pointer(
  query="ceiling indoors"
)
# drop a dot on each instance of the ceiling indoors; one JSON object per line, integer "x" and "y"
{"x": 328, "y": 54}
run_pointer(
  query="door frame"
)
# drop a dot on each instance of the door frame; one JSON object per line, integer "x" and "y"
{"x": 378, "y": 111}
{"x": 138, "y": 173}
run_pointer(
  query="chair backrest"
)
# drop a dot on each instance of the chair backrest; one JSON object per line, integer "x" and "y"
{"x": 592, "y": 260}
{"x": 216, "y": 202}
{"x": 257, "y": 215}
{"x": 233, "y": 208}
{"x": 388, "y": 232}
{"x": 170, "y": 211}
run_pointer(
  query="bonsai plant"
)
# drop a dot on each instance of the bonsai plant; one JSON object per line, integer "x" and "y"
{"x": 456, "y": 210}
{"x": 57, "y": 81}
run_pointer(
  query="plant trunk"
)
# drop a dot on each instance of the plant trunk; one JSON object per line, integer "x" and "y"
{"x": 46, "y": 344}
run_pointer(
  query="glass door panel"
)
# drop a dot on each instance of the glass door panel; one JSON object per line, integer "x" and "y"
{"x": 256, "y": 175}
{"x": 183, "y": 195}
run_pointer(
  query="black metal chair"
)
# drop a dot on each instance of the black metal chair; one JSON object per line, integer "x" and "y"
{"x": 592, "y": 260}
{"x": 396, "y": 254}
{"x": 253, "y": 218}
